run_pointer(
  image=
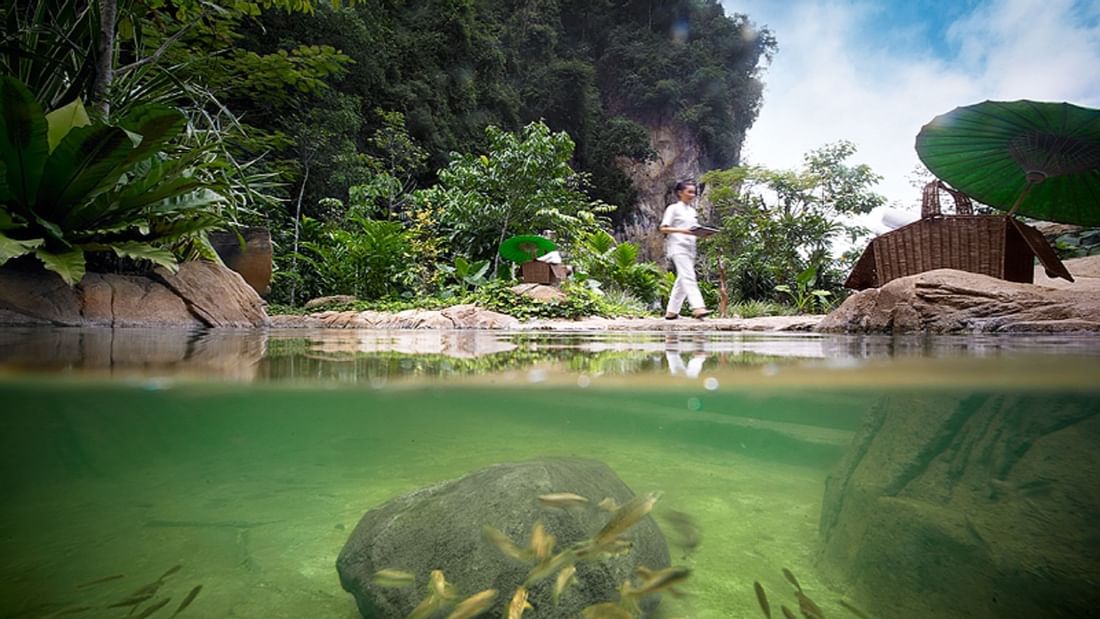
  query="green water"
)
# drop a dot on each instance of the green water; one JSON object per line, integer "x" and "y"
{"x": 250, "y": 468}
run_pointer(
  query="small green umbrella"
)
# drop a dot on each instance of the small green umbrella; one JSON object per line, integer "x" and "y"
{"x": 1036, "y": 158}
{"x": 525, "y": 247}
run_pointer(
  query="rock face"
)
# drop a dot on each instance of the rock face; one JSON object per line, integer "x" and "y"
{"x": 976, "y": 506}
{"x": 441, "y": 527}
{"x": 678, "y": 157}
{"x": 949, "y": 301}
{"x": 454, "y": 317}
{"x": 201, "y": 294}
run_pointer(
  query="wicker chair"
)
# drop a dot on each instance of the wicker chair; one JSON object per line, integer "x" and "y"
{"x": 995, "y": 245}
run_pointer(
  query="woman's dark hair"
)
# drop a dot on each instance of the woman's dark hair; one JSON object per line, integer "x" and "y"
{"x": 682, "y": 185}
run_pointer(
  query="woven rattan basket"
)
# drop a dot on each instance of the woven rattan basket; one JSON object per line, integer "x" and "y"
{"x": 995, "y": 245}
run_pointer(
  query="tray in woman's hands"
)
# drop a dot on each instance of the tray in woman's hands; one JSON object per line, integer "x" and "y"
{"x": 704, "y": 231}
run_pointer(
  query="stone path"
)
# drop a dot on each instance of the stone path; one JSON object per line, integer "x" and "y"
{"x": 471, "y": 317}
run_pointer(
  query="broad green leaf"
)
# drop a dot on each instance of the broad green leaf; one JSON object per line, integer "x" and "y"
{"x": 145, "y": 251}
{"x": 135, "y": 138}
{"x": 65, "y": 119}
{"x": 480, "y": 268}
{"x": 69, "y": 265}
{"x": 7, "y": 221}
{"x": 190, "y": 226}
{"x": 192, "y": 201}
{"x": 13, "y": 248}
{"x": 807, "y": 276}
{"x": 24, "y": 145}
{"x": 87, "y": 162}
{"x": 156, "y": 197}
{"x": 53, "y": 229}
{"x": 156, "y": 124}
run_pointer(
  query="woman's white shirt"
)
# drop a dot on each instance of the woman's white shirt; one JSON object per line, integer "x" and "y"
{"x": 680, "y": 215}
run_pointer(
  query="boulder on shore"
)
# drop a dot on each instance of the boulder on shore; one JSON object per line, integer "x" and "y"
{"x": 951, "y": 301}
{"x": 200, "y": 294}
{"x": 442, "y": 527}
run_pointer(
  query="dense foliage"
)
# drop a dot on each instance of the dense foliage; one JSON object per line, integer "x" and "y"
{"x": 780, "y": 227}
{"x": 598, "y": 70}
{"x": 391, "y": 146}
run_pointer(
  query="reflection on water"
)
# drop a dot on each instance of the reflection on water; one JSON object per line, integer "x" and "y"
{"x": 972, "y": 498}
{"x": 350, "y": 356}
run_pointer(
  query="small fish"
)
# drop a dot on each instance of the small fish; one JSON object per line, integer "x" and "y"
{"x": 99, "y": 581}
{"x": 626, "y": 516}
{"x": 660, "y": 580}
{"x": 549, "y": 566}
{"x": 171, "y": 570}
{"x": 194, "y": 593}
{"x": 74, "y": 611}
{"x": 474, "y": 605}
{"x": 567, "y": 575}
{"x": 504, "y": 543}
{"x": 148, "y": 612}
{"x": 608, "y": 504}
{"x": 426, "y": 607}
{"x": 606, "y": 610}
{"x": 809, "y": 609}
{"x": 519, "y": 604}
{"x": 787, "y": 613}
{"x": 762, "y": 598}
{"x": 589, "y": 550}
{"x": 791, "y": 579}
{"x": 687, "y": 533}
{"x": 438, "y": 586}
{"x": 542, "y": 543}
{"x": 393, "y": 579}
{"x": 133, "y": 600}
{"x": 855, "y": 611}
{"x": 563, "y": 500}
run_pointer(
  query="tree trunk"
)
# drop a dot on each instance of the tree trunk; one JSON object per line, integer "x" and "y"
{"x": 104, "y": 60}
{"x": 723, "y": 293}
{"x": 496, "y": 254}
{"x": 297, "y": 230}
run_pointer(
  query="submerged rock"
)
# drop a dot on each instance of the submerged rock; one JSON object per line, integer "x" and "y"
{"x": 976, "y": 506}
{"x": 441, "y": 527}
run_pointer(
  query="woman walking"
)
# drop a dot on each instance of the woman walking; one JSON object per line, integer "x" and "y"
{"x": 678, "y": 225}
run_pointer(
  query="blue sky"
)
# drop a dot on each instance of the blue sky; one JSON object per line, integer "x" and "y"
{"x": 874, "y": 72}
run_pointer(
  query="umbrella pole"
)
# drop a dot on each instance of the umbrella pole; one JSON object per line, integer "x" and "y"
{"x": 1023, "y": 195}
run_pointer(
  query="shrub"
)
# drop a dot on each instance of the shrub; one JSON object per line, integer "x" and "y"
{"x": 109, "y": 188}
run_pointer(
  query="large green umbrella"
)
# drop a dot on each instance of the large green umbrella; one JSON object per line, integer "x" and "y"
{"x": 1039, "y": 159}
{"x": 525, "y": 247}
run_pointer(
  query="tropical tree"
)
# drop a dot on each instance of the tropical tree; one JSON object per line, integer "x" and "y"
{"x": 521, "y": 185}
{"x": 776, "y": 224}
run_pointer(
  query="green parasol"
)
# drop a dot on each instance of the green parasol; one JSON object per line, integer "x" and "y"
{"x": 525, "y": 247}
{"x": 1036, "y": 158}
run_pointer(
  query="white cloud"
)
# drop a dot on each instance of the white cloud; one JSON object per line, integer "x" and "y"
{"x": 838, "y": 77}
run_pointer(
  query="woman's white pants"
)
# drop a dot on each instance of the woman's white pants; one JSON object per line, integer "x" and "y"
{"x": 685, "y": 287}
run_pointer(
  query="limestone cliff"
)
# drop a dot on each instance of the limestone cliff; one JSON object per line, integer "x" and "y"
{"x": 679, "y": 156}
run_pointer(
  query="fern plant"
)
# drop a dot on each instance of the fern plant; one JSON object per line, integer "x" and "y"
{"x": 615, "y": 266}
{"x": 69, "y": 186}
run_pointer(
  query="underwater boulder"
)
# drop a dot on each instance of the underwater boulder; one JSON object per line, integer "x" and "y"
{"x": 973, "y": 505}
{"x": 441, "y": 527}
